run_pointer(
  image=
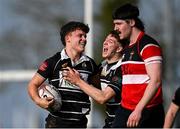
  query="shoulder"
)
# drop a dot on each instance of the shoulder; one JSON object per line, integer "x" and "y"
{"x": 149, "y": 47}
{"x": 55, "y": 56}
{"x": 148, "y": 41}
{"x": 89, "y": 60}
{"x": 53, "y": 59}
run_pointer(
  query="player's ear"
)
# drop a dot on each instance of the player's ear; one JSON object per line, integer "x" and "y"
{"x": 119, "y": 49}
{"x": 68, "y": 38}
{"x": 132, "y": 22}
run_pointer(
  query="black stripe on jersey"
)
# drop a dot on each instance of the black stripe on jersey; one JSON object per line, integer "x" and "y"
{"x": 73, "y": 111}
{"x": 74, "y": 107}
{"x": 70, "y": 89}
{"x": 104, "y": 81}
{"x": 114, "y": 86}
{"x": 74, "y": 96}
{"x": 84, "y": 71}
{"x": 69, "y": 116}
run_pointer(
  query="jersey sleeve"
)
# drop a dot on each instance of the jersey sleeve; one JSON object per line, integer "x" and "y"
{"x": 115, "y": 81}
{"x": 46, "y": 68}
{"x": 151, "y": 53}
{"x": 95, "y": 67}
{"x": 176, "y": 98}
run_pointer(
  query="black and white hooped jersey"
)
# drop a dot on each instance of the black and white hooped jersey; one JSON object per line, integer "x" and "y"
{"x": 75, "y": 103}
{"x": 111, "y": 76}
{"x": 176, "y": 98}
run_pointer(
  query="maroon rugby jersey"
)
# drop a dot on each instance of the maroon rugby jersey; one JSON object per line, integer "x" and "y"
{"x": 135, "y": 79}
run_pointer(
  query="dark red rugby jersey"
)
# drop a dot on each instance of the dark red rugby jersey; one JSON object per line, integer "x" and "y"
{"x": 135, "y": 79}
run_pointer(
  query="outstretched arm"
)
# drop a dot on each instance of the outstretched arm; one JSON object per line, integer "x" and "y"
{"x": 101, "y": 96}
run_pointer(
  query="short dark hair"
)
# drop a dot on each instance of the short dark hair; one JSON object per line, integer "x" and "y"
{"x": 72, "y": 26}
{"x": 115, "y": 34}
{"x": 128, "y": 11}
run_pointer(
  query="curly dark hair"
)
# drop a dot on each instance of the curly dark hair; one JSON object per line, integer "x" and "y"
{"x": 72, "y": 26}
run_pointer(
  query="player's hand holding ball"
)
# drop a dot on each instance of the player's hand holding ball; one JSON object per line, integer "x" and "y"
{"x": 51, "y": 98}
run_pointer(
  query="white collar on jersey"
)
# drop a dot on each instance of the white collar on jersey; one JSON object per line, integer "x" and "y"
{"x": 82, "y": 58}
{"x": 104, "y": 64}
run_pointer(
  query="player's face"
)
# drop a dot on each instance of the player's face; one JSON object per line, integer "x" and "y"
{"x": 77, "y": 40}
{"x": 110, "y": 47}
{"x": 123, "y": 27}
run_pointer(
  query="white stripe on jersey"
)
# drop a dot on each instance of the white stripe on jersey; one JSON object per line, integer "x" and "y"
{"x": 135, "y": 79}
{"x": 154, "y": 62}
{"x": 70, "y": 90}
{"x": 71, "y": 101}
{"x": 71, "y": 112}
{"x": 109, "y": 114}
{"x": 132, "y": 62}
{"x": 104, "y": 81}
{"x": 84, "y": 71}
{"x": 116, "y": 104}
{"x": 53, "y": 80}
{"x": 152, "y": 59}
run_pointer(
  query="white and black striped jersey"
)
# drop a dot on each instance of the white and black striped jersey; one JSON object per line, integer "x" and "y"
{"x": 75, "y": 103}
{"x": 111, "y": 76}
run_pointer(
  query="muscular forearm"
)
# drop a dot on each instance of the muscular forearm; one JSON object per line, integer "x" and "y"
{"x": 154, "y": 73}
{"x": 33, "y": 87}
{"x": 148, "y": 95}
{"x": 33, "y": 93}
{"x": 96, "y": 94}
{"x": 101, "y": 96}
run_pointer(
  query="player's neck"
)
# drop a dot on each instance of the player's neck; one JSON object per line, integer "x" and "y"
{"x": 113, "y": 59}
{"x": 134, "y": 36}
{"x": 73, "y": 55}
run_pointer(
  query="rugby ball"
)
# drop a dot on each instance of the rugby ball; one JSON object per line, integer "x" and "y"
{"x": 46, "y": 90}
